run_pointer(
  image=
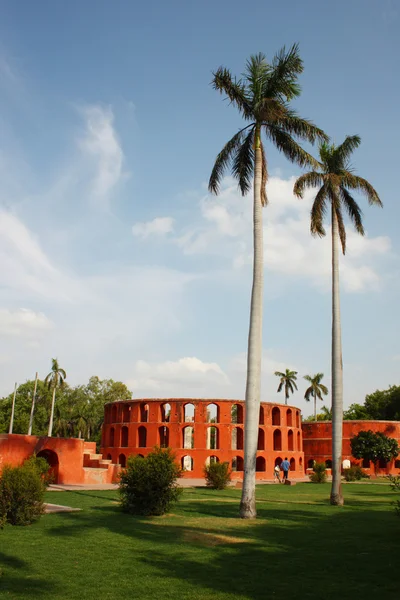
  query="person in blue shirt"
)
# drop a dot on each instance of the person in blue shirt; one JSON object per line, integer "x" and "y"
{"x": 285, "y": 466}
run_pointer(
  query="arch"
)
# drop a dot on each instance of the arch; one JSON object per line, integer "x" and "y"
{"x": 109, "y": 457}
{"x": 237, "y": 438}
{"x": 187, "y": 463}
{"x": 122, "y": 460}
{"x": 212, "y": 438}
{"x": 261, "y": 417}
{"x": 310, "y": 464}
{"x": 237, "y": 413}
{"x": 292, "y": 464}
{"x": 397, "y": 464}
{"x": 328, "y": 463}
{"x": 237, "y": 463}
{"x": 276, "y": 416}
{"x": 188, "y": 437}
{"x": 114, "y": 413}
{"x": 142, "y": 437}
{"x": 290, "y": 437}
{"x": 124, "y": 436}
{"x": 212, "y": 413}
{"x": 298, "y": 441}
{"x": 277, "y": 440}
{"x": 126, "y": 413}
{"x": 52, "y": 459}
{"x": 163, "y": 435}
{"x": 366, "y": 463}
{"x": 278, "y": 461}
{"x": 260, "y": 464}
{"x": 112, "y": 437}
{"x": 211, "y": 459}
{"x": 382, "y": 464}
{"x": 297, "y": 419}
{"x": 188, "y": 412}
{"x": 144, "y": 412}
{"x": 261, "y": 439}
{"x": 165, "y": 409}
{"x": 289, "y": 417}
{"x": 300, "y": 462}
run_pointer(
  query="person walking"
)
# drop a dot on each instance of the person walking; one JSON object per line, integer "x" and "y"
{"x": 285, "y": 466}
{"x": 277, "y": 474}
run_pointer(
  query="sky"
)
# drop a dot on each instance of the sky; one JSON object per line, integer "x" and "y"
{"x": 113, "y": 256}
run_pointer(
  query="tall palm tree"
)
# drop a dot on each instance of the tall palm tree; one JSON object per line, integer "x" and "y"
{"x": 315, "y": 390}
{"x": 262, "y": 98}
{"x": 54, "y": 379}
{"x": 336, "y": 182}
{"x": 288, "y": 382}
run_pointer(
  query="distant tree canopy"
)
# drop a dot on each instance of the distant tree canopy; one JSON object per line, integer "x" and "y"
{"x": 79, "y": 410}
{"x": 374, "y": 446}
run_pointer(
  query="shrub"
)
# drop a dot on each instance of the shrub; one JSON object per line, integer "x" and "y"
{"x": 148, "y": 486}
{"x": 217, "y": 475}
{"x": 395, "y": 485}
{"x": 319, "y": 473}
{"x": 21, "y": 492}
{"x": 355, "y": 473}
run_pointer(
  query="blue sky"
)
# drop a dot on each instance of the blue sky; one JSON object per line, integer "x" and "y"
{"x": 115, "y": 259}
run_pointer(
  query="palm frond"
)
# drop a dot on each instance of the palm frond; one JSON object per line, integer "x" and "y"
{"x": 319, "y": 211}
{"x": 323, "y": 389}
{"x": 279, "y": 374}
{"x": 354, "y": 182}
{"x": 264, "y": 177}
{"x": 353, "y": 210}
{"x": 283, "y": 80}
{"x": 256, "y": 74}
{"x": 289, "y": 147}
{"x": 63, "y": 373}
{"x": 222, "y": 161}
{"x": 342, "y": 230}
{"x": 308, "y": 393}
{"x": 243, "y": 163}
{"x": 224, "y": 82}
{"x": 347, "y": 147}
{"x": 280, "y": 386}
{"x": 292, "y": 123}
{"x": 308, "y": 180}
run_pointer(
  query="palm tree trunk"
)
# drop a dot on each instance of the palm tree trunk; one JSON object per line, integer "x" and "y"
{"x": 33, "y": 406}
{"x": 315, "y": 408}
{"x": 10, "y": 429}
{"x": 337, "y": 372}
{"x": 254, "y": 350}
{"x": 50, "y": 432}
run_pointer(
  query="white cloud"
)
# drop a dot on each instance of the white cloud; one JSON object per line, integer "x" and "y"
{"x": 158, "y": 226}
{"x": 23, "y": 322}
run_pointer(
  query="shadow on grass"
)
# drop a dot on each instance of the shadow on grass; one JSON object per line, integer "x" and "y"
{"x": 24, "y": 583}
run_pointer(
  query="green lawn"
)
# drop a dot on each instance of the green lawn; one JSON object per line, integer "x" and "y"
{"x": 299, "y": 547}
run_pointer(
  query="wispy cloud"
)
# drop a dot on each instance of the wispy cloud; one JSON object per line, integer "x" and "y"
{"x": 158, "y": 226}
{"x": 23, "y": 322}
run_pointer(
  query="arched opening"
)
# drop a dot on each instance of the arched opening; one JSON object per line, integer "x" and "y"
{"x": 112, "y": 437}
{"x": 276, "y": 416}
{"x": 212, "y": 438}
{"x": 52, "y": 459}
{"x": 212, "y": 413}
{"x": 290, "y": 440}
{"x": 122, "y": 460}
{"x": 365, "y": 463}
{"x": 237, "y": 413}
{"x": 297, "y": 419}
{"x": 292, "y": 464}
{"x": 124, "y": 437}
{"x": 237, "y": 438}
{"x": 211, "y": 459}
{"x": 163, "y": 434}
{"x": 298, "y": 441}
{"x": 109, "y": 457}
{"x": 397, "y": 464}
{"x": 277, "y": 440}
{"x": 328, "y": 463}
{"x": 289, "y": 420}
{"x": 300, "y": 462}
{"x": 126, "y": 413}
{"x": 188, "y": 437}
{"x": 114, "y": 413}
{"x": 187, "y": 463}
{"x": 310, "y": 464}
{"x": 261, "y": 439}
{"x": 260, "y": 463}
{"x": 165, "y": 412}
{"x": 261, "y": 416}
{"x": 278, "y": 461}
{"x": 382, "y": 464}
{"x": 237, "y": 463}
{"x": 189, "y": 413}
{"x": 142, "y": 437}
{"x": 144, "y": 413}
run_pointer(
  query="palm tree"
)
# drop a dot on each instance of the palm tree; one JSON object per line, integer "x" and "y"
{"x": 288, "y": 381}
{"x": 326, "y": 413}
{"x": 315, "y": 390}
{"x": 336, "y": 181}
{"x": 54, "y": 379}
{"x": 262, "y": 98}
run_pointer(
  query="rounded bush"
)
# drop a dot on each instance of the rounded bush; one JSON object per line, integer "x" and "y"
{"x": 319, "y": 473}
{"x": 217, "y": 475}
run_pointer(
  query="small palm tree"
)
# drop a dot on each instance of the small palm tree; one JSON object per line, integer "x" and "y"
{"x": 54, "y": 379}
{"x": 326, "y": 413}
{"x": 287, "y": 382}
{"x": 315, "y": 390}
{"x": 336, "y": 182}
{"x": 262, "y": 98}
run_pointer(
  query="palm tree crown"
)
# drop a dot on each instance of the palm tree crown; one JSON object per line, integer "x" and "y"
{"x": 287, "y": 381}
{"x": 57, "y": 375}
{"x": 316, "y": 388}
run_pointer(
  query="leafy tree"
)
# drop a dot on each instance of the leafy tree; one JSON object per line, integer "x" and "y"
{"x": 324, "y": 415}
{"x": 336, "y": 181}
{"x": 355, "y": 412}
{"x": 374, "y": 447}
{"x": 315, "y": 390}
{"x": 262, "y": 97}
{"x": 287, "y": 382}
{"x": 384, "y": 404}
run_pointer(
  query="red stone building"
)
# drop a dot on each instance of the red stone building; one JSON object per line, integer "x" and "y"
{"x": 200, "y": 431}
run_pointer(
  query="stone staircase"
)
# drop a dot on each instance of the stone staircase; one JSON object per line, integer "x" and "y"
{"x": 97, "y": 469}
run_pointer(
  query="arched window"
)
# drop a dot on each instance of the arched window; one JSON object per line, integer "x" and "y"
{"x": 292, "y": 464}
{"x": 212, "y": 438}
{"x": 310, "y": 464}
{"x": 260, "y": 463}
{"x": 212, "y": 413}
{"x": 144, "y": 412}
{"x": 289, "y": 417}
{"x": 124, "y": 437}
{"x": 211, "y": 459}
{"x": 277, "y": 440}
{"x": 142, "y": 437}
{"x": 328, "y": 464}
{"x": 237, "y": 463}
{"x": 114, "y": 412}
{"x": 261, "y": 439}
{"x": 188, "y": 437}
{"x": 189, "y": 413}
{"x": 382, "y": 464}
{"x": 163, "y": 434}
{"x": 300, "y": 462}
{"x": 290, "y": 440}
{"x": 261, "y": 417}
{"x": 112, "y": 436}
{"x": 297, "y": 419}
{"x": 187, "y": 463}
{"x": 165, "y": 412}
{"x": 396, "y": 464}
{"x": 237, "y": 438}
{"x": 276, "y": 416}
{"x": 126, "y": 413}
{"x": 366, "y": 464}
{"x": 109, "y": 457}
{"x": 237, "y": 413}
{"x": 122, "y": 460}
{"x": 298, "y": 441}
{"x": 278, "y": 461}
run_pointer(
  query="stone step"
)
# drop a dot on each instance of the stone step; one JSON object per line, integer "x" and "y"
{"x": 105, "y": 462}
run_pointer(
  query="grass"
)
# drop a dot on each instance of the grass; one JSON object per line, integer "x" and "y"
{"x": 299, "y": 547}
